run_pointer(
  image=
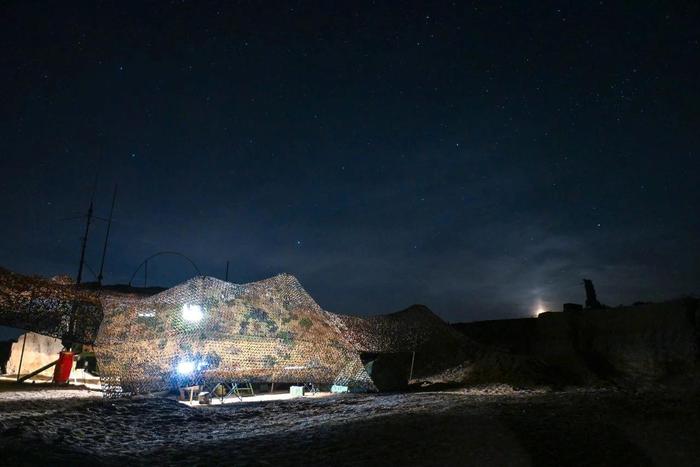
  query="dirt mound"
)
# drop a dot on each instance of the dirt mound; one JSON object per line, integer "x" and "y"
{"x": 490, "y": 366}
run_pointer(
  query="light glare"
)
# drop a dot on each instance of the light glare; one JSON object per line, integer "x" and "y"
{"x": 192, "y": 313}
{"x": 185, "y": 367}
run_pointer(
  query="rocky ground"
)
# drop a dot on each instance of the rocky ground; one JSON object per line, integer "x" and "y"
{"x": 483, "y": 426}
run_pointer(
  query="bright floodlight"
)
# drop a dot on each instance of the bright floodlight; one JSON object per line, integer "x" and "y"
{"x": 185, "y": 367}
{"x": 192, "y": 312}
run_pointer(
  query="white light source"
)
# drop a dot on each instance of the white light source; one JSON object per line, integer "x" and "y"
{"x": 192, "y": 312}
{"x": 539, "y": 308}
{"x": 185, "y": 367}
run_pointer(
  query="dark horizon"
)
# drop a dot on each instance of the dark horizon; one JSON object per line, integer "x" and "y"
{"x": 479, "y": 159}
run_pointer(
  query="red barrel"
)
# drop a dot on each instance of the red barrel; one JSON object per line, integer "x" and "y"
{"x": 62, "y": 371}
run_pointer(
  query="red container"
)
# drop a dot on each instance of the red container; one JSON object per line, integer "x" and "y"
{"x": 62, "y": 371}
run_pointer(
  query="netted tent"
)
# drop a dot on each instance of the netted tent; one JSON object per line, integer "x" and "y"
{"x": 207, "y": 330}
{"x": 210, "y": 330}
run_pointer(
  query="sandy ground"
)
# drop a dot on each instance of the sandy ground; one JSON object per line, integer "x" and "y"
{"x": 264, "y": 397}
{"x": 484, "y": 426}
{"x": 77, "y": 377}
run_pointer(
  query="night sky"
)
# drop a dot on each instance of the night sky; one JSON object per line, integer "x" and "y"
{"x": 479, "y": 158}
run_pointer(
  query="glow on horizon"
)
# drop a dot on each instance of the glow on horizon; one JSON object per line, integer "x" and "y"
{"x": 539, "y": 309}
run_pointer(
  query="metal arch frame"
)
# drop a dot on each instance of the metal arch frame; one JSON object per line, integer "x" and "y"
{"x": 160, "y": 253}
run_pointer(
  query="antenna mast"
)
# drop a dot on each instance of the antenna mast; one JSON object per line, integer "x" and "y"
{"x": 82, "y": 249}
{"x": 104, "y": 247}
{"x": 79, "y": 279}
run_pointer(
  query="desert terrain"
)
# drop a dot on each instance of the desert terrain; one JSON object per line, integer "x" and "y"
{"x": 487, "y": 425}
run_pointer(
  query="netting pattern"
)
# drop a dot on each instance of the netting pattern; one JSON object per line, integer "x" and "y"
{"x": 48, "y": 307}
{"x": 210, "y": 330}
{"x": 435, "y": 344}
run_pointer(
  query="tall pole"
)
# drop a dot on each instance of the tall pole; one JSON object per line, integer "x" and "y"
{"x": 226, "y": 271}
{"x": 21, "y": 356}
{"x": 79, "y": 279}
{"x": 104, "y": 247}
{"x": 413, "y": 355}
{"x": 82, "y": 249}
{"x": 145, "y": 274}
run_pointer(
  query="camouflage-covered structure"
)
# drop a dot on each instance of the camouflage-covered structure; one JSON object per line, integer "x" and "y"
{"x": 209, "y": 330}
{"x": 433, "y": 344}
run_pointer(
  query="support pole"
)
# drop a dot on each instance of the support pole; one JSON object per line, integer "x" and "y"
{"x": 413, "y": 355}
{"x": 21, "y": 356}
{"x": 36, "y": 372}
{"x": 226, "y": 271}
{"x": 413, "y": 359}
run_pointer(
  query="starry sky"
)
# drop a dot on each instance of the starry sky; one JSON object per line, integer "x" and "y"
{"x": 477, "y": 157}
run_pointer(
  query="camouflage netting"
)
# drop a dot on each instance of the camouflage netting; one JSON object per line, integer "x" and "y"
{"x": 48, "y": 307}
{"x": 210, "y": 330}
{"x": 207, "y": 330}
{"x": 416, "y": 329}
